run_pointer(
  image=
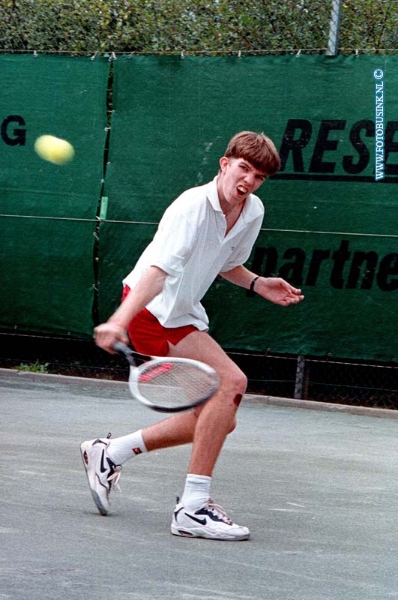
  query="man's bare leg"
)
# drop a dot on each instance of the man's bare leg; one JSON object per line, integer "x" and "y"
{"x": 197, "y": 515}
{"x": 208, "y": 426}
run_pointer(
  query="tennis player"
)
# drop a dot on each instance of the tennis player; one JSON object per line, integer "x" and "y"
{"x": 207, "y": 231}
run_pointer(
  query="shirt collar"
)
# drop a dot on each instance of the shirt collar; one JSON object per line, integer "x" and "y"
{"x": 212, "y": 194}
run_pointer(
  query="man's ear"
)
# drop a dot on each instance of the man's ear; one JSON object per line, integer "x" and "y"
{"x": 224, "y": 163}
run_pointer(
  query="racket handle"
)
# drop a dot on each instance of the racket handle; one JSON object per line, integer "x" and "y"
{"x": 126, "y": 351}
{"x": 122, "y": 349}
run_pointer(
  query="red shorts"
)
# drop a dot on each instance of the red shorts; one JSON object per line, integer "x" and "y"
{"x": 148, "y": 336}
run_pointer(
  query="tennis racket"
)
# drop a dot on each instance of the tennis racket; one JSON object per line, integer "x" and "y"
{"x": 169, "y": 384}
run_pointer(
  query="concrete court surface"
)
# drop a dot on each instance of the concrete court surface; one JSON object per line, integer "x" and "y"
{"x": 317, "y": 489}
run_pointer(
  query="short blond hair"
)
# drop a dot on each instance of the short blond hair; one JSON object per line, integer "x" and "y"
{"x": 258, "y": 149}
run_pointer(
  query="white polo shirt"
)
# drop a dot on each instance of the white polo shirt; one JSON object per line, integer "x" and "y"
{"x": 190, "y": 245}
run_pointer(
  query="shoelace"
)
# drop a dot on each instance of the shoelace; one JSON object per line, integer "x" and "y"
{"x": 114, "y": 478}
{"x": 218, "y": 510}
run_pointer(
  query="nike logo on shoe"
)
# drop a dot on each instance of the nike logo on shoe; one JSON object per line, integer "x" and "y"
{"x": 213, "y": 516}
{"x": 200, "y": 521}
{"x": 103, "y": 468}
{"x": 176, "y": 512}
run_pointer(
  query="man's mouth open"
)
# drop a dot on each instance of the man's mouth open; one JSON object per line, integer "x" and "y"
{"x": 242, "y": 191}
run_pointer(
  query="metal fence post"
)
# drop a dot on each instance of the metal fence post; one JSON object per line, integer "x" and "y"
{"x": 334, "y": 29}
{"x": 299, "y": 388}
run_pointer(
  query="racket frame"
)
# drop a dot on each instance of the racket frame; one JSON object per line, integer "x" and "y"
{"x": 153, "y": 361}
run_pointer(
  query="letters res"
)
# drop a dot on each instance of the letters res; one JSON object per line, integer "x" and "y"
{"x": 317, "y": 151}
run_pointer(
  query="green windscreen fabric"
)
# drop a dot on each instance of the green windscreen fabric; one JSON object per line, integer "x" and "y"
{"x": 48, "y": 212}
{"x": 331, "y": 221}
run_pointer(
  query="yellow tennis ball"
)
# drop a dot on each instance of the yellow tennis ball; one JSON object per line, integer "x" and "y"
{"x": 54, "y": 149}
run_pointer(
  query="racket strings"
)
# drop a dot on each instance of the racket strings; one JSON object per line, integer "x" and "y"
{"x": 173, "y": 384}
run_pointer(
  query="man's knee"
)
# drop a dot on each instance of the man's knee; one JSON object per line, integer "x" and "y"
{"x": 238, "y": 383}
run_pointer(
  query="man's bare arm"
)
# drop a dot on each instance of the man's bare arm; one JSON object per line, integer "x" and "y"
{"x": 149, "y": 286}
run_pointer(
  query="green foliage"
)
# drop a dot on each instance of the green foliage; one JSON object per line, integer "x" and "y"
{"x": 36, "y": 367}
{"x": 372, "y": 24}
{"x": 164, "y": 26}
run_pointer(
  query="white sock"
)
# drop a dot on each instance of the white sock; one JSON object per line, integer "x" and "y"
{"x": 123, "y": 448}
{"x": 196, "y": 491}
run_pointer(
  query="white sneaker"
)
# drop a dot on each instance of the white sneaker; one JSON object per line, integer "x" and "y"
{"x": 102, "y": 473}
{"x": 209, "y": 521}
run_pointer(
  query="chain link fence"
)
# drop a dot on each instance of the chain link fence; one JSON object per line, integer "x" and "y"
{"x": 203, "y": 27}
{"x": 322, "y": 379}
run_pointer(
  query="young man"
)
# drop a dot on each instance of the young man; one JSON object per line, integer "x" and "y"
{"x": 208, "y": 231}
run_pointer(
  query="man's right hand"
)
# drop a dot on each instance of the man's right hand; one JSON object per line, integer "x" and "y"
{"x": 107, "y": 334}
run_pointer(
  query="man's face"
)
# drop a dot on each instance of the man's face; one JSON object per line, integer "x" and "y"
{"x": 238, "y": 179}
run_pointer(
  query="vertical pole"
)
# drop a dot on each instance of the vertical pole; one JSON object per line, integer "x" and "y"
{"x": 334, "y": 29}
{"x": 300, "y": 378}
